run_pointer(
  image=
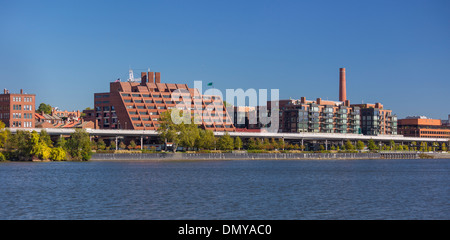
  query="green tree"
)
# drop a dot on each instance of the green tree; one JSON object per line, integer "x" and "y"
{"x": 3, "y": 135}
{"x": 238, "y": 143}
{"x": 443, "y": 147}
{"x": 206, "y": 140}
{"x": 391, "y": 145}
{"x": 79, "y": 145}
{"x": 359, "y": 145}
{"x": 112, "y": 145}
{"x": 225, "y": 142}
{"x": 349, "y": 145}
{"x": 252, "y": 144}
{"x": 321, "y": 147}
{"x": 171, "y": 124}
{"x": 188, "y": 134}
{"x": 21, "y": 142}
{"x": 44, "y": 137}
{"x": 101, "y": 144}
{"x": 122, "y": 145}
{"x": 371, "y": 145}
{"x": 132, "y": 145}
{"x": 281, "y": 144}
{"x": 46, "y": 108}
{"x": 61, "y": 142}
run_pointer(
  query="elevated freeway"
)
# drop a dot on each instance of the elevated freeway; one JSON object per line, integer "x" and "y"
{"x": 286, "y": 136}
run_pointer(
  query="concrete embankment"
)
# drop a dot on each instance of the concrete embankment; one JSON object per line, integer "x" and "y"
{"x": 245, "y": 156}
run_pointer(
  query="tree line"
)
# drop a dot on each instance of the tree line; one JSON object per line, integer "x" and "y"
{"x": 26, "y": 145}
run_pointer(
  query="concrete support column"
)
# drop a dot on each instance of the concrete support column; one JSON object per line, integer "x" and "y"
{"x": 117, "y": 144}
{"x": 142, "y": 142}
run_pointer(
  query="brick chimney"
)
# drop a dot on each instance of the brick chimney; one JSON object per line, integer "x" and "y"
{"x": 342, "y": 85}
{"x": 151, "y": 77}
{"x": 157, "y": 77}
{"x": 143, "y": 78}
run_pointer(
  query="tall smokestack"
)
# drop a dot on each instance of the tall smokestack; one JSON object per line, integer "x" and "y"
{"x": 342, "y": 87}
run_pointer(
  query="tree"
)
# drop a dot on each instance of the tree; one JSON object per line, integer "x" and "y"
{"x": 252, "y": 144}
{"x": 168, "y": 129}
{"x": 281, "y": 144}
{"x": 238, "y": 143}
{"x": 46, "y": 108}
{"x": 101, "y": 144}
{"x": 225, "y": 142}
{"x": 3, "y": 135}
{"x": 349, "y": 145}
{"x": 443, "y": 147}
{"x": 122, "y": 145}
{"x": 21, "y": 142}
{"x": 371, "y": 145}
{"x": 61, "y": 142}
{"x": 44, "y": 137}
{"x": 58, "y": 154}
{"x": 359, "y": 145}
{"x": 112, "y": 145}
{"x": 79, "y": 145}
{"x": 38, "y": 148}
{"x": 132, "y": 145}
{"x": 266, "y": 144}
{"x": 391, "y": 145}
{"x": 188, "y": 134}
{"x": 206, "y": 140}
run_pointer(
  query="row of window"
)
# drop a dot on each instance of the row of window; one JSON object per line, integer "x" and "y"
{"x": 25, "y": 107}
{"x": 19, "y": 124}
{"x": 435, "y": 132}
{"x": 180, "y": 94}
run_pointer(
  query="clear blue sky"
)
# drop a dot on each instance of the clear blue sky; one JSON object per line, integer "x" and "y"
{"x": 395, "y": 52}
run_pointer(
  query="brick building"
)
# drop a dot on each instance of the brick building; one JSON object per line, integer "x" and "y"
{"x": 17, "y": 109}
{"x": 319, "y": 116}
{"x": 138, "y": 105}
{"x": 421, "y": 126}
{"x": 323, "y": 116}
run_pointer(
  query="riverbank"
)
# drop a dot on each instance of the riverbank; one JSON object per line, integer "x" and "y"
{"x": 258, "y": 156}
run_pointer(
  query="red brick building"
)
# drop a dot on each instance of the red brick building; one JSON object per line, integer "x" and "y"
{"x": 17, "y": 109}
{"x": 423, "y": 127}
{"x": 138, "y": 105}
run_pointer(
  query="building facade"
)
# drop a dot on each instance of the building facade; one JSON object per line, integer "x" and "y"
{"x": 421, "y": 126}
{"x": 319, "y": 116}
{"x": 17, "y": 109}
{"x": 139, "y": 105}
{"x": 375, "y": 120}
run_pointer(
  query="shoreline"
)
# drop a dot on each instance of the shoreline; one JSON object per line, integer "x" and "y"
{"x": 258, "y": 156}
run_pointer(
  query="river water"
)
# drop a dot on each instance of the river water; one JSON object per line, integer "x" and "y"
{"x": 247, "y": 189}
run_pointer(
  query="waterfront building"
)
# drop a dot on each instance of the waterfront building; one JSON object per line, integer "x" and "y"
{"x": 319, "y": 116}
{"x": 17, "y": 109}
{"x": 324, "y": 116}
{"x": 421, "y": 126}
{"x": 138, "y": 105}
{"x": 376, "y": 120}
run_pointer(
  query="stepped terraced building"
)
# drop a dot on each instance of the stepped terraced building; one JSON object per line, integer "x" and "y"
{"x": 138, "y": 105}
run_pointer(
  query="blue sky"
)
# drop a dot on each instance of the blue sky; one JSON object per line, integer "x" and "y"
{"x": 395, "y": 52}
